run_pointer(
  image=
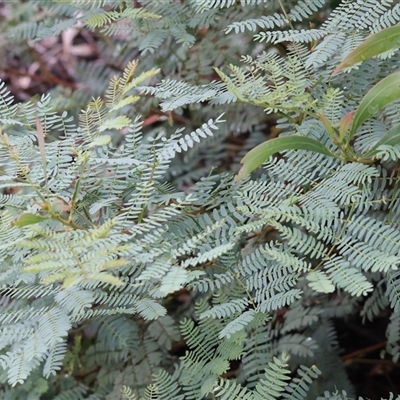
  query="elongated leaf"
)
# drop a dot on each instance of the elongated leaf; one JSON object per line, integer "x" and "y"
{"x": 254, "y": 158}
{"x": 391, "y": 138}
{"x": 384, "y": 92}
{"x": 345, "y": 124}
{"x": 28, "y": 219}
{"x": 328, "y": 126}
{"x": 378, "y": 43}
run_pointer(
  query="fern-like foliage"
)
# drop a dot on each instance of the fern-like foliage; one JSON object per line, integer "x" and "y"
{"x": 131, "y": 263}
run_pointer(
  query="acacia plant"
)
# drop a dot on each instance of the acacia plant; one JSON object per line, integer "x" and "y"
{"x": 153, "y": 244}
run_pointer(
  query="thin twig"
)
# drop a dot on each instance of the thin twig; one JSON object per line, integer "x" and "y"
{"x": 361, "y": 352}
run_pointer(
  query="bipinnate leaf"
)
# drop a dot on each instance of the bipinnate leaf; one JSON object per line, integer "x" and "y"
{"x": 115, "y": 123}
{"x": 41, "y": 141}
{"x": 378, "y": 43}
{"x": 384, "y": 92}
{"x": 100, "y": 141}
{"x": 257, "y": 156}
{"x": 237, "y": 324}
{"x": 106, "y": 278}
{"x": 28, "y": 219}
{"x": 100, "y": 277}
{"x": 320, "y": 282}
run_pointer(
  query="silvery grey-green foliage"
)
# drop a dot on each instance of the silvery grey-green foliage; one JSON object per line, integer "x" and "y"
{"x": 103, "y": 222}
